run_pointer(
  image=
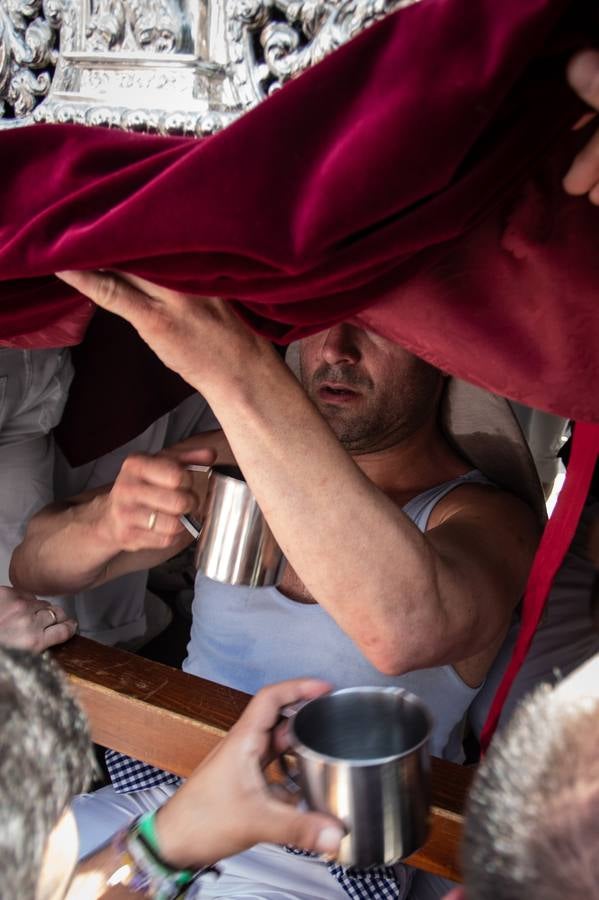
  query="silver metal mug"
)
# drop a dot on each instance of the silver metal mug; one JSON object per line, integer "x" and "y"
{"x": 234, "y": 543}
{"x": 362, "y": 756}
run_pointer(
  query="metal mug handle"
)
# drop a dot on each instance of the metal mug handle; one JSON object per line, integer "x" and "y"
{"x": 194, "y": 527}
{"x": 291, "y": 772}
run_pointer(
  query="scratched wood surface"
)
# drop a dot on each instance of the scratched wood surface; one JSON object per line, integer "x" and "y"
{"x": 173, "y": 720}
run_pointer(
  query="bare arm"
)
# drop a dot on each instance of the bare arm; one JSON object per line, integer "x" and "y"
{"x": 102, "y": 534}
{"x": 91, "y": 539}
{"x": 431, "y": 598}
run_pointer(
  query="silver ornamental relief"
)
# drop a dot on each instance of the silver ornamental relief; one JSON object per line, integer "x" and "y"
{"x": 164, "y": 66}
{"x": 156, "y": 25}
{"x": 272, "y": 41}
{"x": 27, "y": 56}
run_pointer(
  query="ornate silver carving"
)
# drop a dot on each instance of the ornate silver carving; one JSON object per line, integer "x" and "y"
{"x": 164, "y": 66}
{"x": 147, "y": 65}
{"x": 271, "y": 41}
{"x": 27, "y": 56}
{"x": 156, "y": 25}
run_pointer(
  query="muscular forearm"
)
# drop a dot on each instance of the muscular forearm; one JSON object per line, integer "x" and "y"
{"x": 68, "y": 549}
{"x": 128, "y": 526}
{"x": 65, "y": 549}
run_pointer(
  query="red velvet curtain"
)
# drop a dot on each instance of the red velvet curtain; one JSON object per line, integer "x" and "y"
{"x": 412, "y": 178}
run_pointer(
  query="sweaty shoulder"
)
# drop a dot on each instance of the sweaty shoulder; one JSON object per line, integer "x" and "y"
{"x": 489, "y": 505}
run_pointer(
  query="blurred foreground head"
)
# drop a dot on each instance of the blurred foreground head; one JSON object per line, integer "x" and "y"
{"x": 45, "y": 758}
{"x": 532, "y": 826}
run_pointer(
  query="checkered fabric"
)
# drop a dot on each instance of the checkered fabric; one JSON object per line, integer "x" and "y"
{"x": 128, "y": 774}
{"x": 376, "y": 883}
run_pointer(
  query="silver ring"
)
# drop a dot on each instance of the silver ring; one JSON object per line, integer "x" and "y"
{"x": 152, "y": 520}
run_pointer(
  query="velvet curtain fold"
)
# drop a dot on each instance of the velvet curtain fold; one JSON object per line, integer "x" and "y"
{"x": 411, "y": 181}
{"x": 412, "y": 178}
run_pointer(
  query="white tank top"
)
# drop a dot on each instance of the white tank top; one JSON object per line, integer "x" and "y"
{"x": 246, "y": 638}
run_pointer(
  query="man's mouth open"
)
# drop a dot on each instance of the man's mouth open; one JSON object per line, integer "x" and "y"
{"x": 336, "y": 393}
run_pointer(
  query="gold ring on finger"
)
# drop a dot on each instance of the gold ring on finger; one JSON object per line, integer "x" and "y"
{"x": 49, "y": 609}
{"x": 152, "y": 520}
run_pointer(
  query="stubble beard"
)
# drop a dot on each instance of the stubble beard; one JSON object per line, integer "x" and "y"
{"x": 384, "y": 418}
{"x": 369, "y": 431}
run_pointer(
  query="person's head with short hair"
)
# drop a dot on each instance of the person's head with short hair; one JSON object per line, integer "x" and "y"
{"x": 372, "y": 392}
{"x": 532, "y": 823}
{"x": 45, "y": 758}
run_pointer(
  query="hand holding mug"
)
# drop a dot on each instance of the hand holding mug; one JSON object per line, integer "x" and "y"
{"x": 143, "y": 508}
{"x": 227, "y": 805}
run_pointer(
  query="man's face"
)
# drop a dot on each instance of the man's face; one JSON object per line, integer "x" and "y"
{"x": 371, "y": 391}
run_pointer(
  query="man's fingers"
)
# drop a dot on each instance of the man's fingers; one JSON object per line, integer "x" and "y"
{"x": 146, "y": 287}
{"x": 284, "y": 794}
{"x": 31, "y": 604}
{"x": 159, "y": 523}
{"x": 583, "y": 76}
{"x": 307, "y": 830}
{"x": 49, "y": 615}
{"x": 186, "y": 458}
{"x": 280, "y": 740}
{"x": 198, "y": 456}
{"x": 59, "y": 633}
{"x": 56, "y": 626}
{"x": 110, "y": 292}
{"x": 9, "y": 594}
{"x": 157, "y": 499}
{"x": 583, "y": 175}
{"x": 263, "y": 712}
{"x": 136, "y": 538}
{"x": 163, "y": 471}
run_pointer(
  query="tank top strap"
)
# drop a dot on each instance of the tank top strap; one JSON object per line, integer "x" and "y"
{"x": 419, "y": 508}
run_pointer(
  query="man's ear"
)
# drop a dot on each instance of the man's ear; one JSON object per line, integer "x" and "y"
{"x": 457, "y": 893}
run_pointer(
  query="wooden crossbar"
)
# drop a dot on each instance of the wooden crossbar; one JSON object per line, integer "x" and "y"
{"x": 170, "y": 719}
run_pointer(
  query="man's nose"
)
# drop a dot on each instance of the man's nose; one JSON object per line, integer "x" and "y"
{"x": 341, "y": 345}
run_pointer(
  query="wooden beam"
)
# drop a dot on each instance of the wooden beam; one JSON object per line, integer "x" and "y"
{"x": 170, "y": 719}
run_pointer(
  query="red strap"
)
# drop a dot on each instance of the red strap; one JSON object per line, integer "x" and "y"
{"x": 550, "y": 554}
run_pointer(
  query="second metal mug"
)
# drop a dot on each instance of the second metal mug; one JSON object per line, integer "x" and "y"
{"x": 234, "y": 543}
{"x": 362, "y": 756}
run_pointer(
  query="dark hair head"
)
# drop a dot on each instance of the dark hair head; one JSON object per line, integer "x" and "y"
{"x": 45, "y": 758}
